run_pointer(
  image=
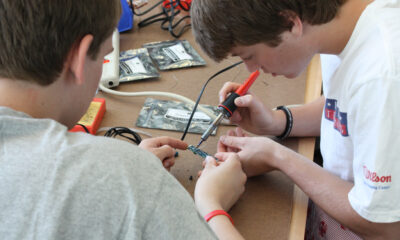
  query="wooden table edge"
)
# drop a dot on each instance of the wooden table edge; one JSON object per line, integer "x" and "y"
{"x": 306, "y": 148}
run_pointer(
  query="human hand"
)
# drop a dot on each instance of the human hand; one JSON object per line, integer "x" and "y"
{"x": 251, "y": 113}
{"x": 238, "y": 132}
{"x": 258, "y": 155}
{"x": 164, "y": 149}
{"x": 220, "y": 185}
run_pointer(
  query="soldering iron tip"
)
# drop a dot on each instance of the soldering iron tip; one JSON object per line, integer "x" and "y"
{"x": 198, "y": 145}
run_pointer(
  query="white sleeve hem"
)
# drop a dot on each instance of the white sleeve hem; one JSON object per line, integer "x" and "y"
{"x": 377, "y": 217}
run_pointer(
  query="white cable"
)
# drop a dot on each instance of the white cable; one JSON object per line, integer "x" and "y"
{"x": 156, "y": 93}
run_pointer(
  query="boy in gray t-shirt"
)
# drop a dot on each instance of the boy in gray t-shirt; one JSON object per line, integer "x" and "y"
{"x": 55, "y": 184}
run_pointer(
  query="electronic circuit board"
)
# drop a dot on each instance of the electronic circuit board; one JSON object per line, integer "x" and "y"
{"x": 198, "y": 151}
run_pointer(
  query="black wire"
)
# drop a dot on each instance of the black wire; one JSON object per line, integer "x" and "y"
{"x": 167, "y": 15}
{"x": 121, "y": 131}
{"x": 152, "y": 19}
{"x": 171, "y": 25}
{"x": 174, "y": 25}
{"x": 147, "y": 10}
{"x": 84, "y": 127}
{"x": 201, "y": 93}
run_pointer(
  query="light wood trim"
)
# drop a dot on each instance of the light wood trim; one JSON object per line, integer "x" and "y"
{"x": 306, "y": 148}
{"x": 313, "y": 80}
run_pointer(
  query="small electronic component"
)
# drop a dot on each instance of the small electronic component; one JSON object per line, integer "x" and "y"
{"x": 198, "y": 151}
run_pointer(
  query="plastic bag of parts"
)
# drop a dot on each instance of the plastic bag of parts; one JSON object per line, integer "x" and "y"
{"x": 173, "y": 115}
{"x": 136, "y": 64}
{"x": 174, "y": 54}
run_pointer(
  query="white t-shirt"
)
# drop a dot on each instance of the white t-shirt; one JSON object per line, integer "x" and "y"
{"x": 359, "y": 129}
{"x": 329, "y": 64}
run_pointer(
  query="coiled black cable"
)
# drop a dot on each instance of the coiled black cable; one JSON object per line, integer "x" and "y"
{"x": 167, "y": 15}
{"x": 125, "y": 133}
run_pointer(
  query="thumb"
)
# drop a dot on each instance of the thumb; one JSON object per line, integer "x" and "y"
{"x": 210, "y": 162}
{"x": 244, "y": 101}
{"x": 223, "y": 156}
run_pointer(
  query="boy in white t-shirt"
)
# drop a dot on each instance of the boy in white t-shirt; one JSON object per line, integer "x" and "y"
{"x": 356, "y": 192}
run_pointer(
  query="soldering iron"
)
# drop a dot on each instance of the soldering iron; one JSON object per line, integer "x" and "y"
{"x": 227, "y": 108}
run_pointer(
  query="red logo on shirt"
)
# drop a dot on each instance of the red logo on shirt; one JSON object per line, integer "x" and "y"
{"x": 338, "y": 118}
{"x": 373, "y": 176}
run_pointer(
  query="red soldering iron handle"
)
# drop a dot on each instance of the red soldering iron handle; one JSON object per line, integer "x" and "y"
{"x": 242, "y": 90}
{"x": 228, "y": 106}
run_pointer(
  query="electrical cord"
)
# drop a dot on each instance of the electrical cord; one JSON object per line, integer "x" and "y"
{"x": 176, "y": 96}
{"x": 123, "y": 132}
{"x": 146, "y": 11}
{"x": 166, "y": 16}
{"x": 156, "y": 93}
{"x": 84, "y": 127}
{"x": 171, "y": 25}
{"x": 152, "y": 19}
{"x": 105, "y": 129}
{"x": 200, "y": 95}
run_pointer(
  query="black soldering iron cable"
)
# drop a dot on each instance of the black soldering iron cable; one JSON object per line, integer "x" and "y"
{"x": 201, "y": 93}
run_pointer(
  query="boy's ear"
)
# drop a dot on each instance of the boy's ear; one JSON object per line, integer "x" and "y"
{"x": 297, "y": 28}
{"x": 77, "y": 58}
{"x": 294, "y": 21}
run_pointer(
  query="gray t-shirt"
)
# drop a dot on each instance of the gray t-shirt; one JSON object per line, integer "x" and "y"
{"x": 60, "y": 185}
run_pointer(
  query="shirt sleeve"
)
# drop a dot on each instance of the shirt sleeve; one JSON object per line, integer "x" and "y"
{"x": 375, "y": 115}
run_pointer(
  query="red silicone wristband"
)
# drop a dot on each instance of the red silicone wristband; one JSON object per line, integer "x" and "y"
{"x": 215, "y": 213}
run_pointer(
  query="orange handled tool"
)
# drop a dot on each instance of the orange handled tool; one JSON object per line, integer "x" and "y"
{"x": 228, "y": 106}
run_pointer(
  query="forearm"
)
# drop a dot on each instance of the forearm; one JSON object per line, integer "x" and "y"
{"x": 330, "y": 192}
{"x": 220, "y": 224}
{"x": 223, "y": 228}
{"x": 307, "y": 118}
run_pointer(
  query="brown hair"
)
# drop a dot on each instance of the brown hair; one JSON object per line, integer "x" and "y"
{"x": 36, "y": 36}
{"x": 220, "y": 25}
